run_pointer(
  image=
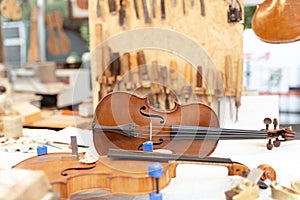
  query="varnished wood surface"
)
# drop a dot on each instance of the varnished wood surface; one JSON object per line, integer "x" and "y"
{"x": 121, "y": 108}
{"x": 116, "y": 176}
{"x": 277, "y": 21}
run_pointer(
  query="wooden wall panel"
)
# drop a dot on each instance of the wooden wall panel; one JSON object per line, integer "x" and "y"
{"x": 211, "y": 35}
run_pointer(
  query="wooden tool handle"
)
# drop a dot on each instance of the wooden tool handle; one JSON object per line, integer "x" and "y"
{"x": 188, "y": 74}
{"x": 112, "y": 6}
{"x": 199, "y": 77}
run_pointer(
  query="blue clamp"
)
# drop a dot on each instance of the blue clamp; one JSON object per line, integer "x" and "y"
{"x": 155, "y": 196}
{"x": 148, "y": 146}
{"x": 155, "y": 171}
{"x": 41, "y": 150}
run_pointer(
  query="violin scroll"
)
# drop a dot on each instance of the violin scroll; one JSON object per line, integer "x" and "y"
{"x": 240, "y": 169}
{"x": 274, "y": 135}
{"x": 269, "y": 172}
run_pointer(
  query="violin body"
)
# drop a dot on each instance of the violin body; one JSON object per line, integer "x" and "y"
{"x": 71, "y": 178}
{"x": 115, "y": 176}
{"x": 277, "y": 21}
{"x": 120, "y": 108}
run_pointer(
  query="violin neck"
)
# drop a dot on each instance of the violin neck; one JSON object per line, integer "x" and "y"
{"x": 125, "y": 129}
{"x": 211, "y": 133}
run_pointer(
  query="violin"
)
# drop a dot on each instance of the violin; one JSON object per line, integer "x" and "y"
{"x": 277, "y": 21}
{"x": 125, "y": 121}
{"x": 120, "y": 175}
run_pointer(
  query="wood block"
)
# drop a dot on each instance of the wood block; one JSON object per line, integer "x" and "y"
{"x": 29, "y": 112}
{"x": 22, "y": 184}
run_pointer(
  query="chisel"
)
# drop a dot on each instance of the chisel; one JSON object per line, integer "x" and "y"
{"x": 122, "y": 13}
{"x": 146, "y": 8}
{"x": 136, "y": 8}
{"x": 202, "y": 5}
{"x": 163, "y": 9}
{"x": 154, "y": 8}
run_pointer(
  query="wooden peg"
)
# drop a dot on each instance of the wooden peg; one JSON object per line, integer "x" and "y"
{"x": 267, "y": 122}
{"x": 275, "y": 123}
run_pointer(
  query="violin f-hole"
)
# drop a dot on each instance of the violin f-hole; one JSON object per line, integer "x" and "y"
{"x": 151, "y": 115}
{"x": 64, "y": 172}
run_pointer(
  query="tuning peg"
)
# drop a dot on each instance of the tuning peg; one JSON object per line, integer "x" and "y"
{"x": 276, "y": 142}
{"x": 275, "y": 123}
{"x": 267, "y": 122}
{"x": 269, "y": 145}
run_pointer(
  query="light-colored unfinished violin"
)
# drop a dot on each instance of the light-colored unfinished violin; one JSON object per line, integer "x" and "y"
{"x": 277, "y": 21}
{"x": 124, "y": 173}
{"x": 125, "y": 121}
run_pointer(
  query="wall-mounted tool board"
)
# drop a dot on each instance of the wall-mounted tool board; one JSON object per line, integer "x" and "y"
{"x": 218, "y": 43}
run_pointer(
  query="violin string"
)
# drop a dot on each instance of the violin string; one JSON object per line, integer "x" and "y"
{"x": 204, "y": 129}
{"x": 207, "y": 131}
{"x": 205, "y": 135}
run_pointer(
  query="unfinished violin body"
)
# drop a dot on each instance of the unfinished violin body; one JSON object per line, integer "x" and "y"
{"x": 125, "y": 121}
{"x": 68, "y": 176}
{"x": 277, "y": 21}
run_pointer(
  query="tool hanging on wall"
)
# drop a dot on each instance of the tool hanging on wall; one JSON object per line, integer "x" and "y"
{"x": 115, "y": 65}
{"x": 163, "y": 9}
{"x": 33, "y": 51}
{"x": 234, "y": 14}
{"x": 238, "y": 92}
{"x": 229, "y": 83}
{"x": 134, "y": 71}
{"x": 202, "y": 7}
{"x": 155, "y": 89}
{"x": 187, "y": 88}
{"x": 154, "y": 4}
{"x": 174, "y": 76}
{"x": 146, "y": 9}
{"x": 143, "y": 69}
{"x": 164, "y": 78}
{"x": 199, "y": 89}
{"x": 125, "y": 73}
{"x": 136, "y": 8}
{"x": 99, "y": 13}
{"x": 122, "y": 14}
{"x": 174, "y": 3}
{"x": 183, "y": 7}
{"x": 112, "y": 7}
{"x": 192, "y": 3}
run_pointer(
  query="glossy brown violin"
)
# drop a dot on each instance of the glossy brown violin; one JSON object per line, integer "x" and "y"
{"x": 277, "y": 21}
{"x": 127, "y": 174}
{"x": 126, "y": 121}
